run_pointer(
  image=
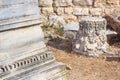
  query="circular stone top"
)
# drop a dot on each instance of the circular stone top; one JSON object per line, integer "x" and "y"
{"x": 92, "y": 19}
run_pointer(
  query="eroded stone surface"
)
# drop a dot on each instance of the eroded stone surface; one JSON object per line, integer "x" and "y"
{"x": 99, "y": 3}
{"x": 91, "y": 38}
{"x": 70, "y": 18}
{"x": 83, "y": 2}
{"x": 68, "y": 10}
{"x": 60, "y": 11}
{"x": 70, "y": 30}
{"x": 86, "y": 7}
{"x": 47, "y": 10}
{"x": 113, "y": 2}
{"x": 96, "y": 11}
{"x": 56, "y": 21}
{"x": 45, "y": 3}
{"x": 58, "y": 3}
{"x": 81, "y": 11}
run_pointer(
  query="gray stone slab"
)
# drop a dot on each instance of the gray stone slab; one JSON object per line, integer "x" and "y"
{"x": 20, "y": 42}
{"x": 70, "y": 30}
{"x": 23, "y": 53}
{"x": 74, "y": 26}
{"x": 14, "y": 13}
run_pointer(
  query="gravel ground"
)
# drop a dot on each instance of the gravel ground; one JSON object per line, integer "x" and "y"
{"x": 86, "y": 68}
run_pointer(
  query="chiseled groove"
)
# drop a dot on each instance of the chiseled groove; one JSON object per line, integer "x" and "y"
{"x": 25, "y": 62}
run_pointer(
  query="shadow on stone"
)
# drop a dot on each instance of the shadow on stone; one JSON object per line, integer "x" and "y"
{"x": 114, "y": 40}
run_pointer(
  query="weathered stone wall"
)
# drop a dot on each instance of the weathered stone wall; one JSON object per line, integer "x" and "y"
{"x": 73, "y": 10}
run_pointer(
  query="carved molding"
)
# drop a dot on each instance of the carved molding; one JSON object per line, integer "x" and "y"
{"x": 29, "y": 61}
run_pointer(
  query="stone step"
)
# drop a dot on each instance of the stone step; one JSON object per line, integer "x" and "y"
{"x": 47, "y": 71}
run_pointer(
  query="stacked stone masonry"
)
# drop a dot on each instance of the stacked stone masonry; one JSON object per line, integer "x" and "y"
{"x": 73, "y": 10}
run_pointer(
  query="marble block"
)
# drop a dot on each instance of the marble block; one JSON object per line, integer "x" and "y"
{"x": 23, "y": 53}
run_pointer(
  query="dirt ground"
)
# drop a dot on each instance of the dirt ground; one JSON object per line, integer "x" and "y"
{"x": 86, "y": 68}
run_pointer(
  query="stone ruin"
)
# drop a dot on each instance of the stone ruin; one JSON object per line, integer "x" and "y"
{"x": 23, "y": 53}
{"x": 90, "y": 38}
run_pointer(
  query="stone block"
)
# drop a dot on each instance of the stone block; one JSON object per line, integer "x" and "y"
{"x": 96, "y": 11}
{"x": 45, "y": 3}
{"x": 68, "y": 10}
{"x": 70, "y": 18}
{"x": 60, "y": 3}
{"x": 91, "y": 39}
{"x": 109, "y": 10}
{"x": 99, "y": 3}
{"x": 81, "y": 11}
{"x": 56, "y": 20}
{"x": 70, "y": 30}
{"x": 23, "y": 53}
{"x": 44, "y": 18}
{"x": 83, "y": 2}
{"x": 18, "y": 13}
{"x": 60, "y": 10}
{"x": 47, "y": 10}
{"x": 113, "y": 2}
